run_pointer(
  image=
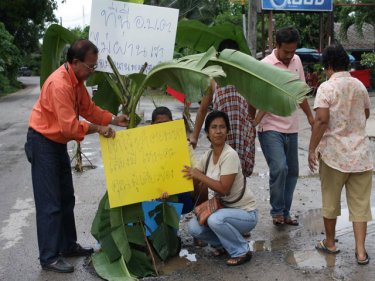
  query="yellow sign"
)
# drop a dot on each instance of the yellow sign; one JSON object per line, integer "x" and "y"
{"x": 142, "y": 163}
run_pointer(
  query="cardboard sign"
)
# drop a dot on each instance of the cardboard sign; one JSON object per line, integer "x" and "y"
{"x": 132, "y": 34}
{"x": 142, "y": 163}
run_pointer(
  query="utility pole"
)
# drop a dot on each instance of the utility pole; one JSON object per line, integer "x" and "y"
{"x": 252, "y": 22}
{"x": 83, "y": 17}
{"x": 243, "y": 19}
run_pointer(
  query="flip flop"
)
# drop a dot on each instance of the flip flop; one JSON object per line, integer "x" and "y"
{"x": 362, "y": 262}
{"x": 323, "y": 248}
{"x": 240, "y": 260}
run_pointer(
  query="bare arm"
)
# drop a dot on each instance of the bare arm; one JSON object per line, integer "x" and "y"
{"x": 259, "y": 116}
{"x": 367, "y": 113}
{"x": 221, "y": 186}
{"x": 306, "y": 109}
{"x": 320, "y": 126}
{"x": 252, "y": 111}
{"x": 201, "y": 114}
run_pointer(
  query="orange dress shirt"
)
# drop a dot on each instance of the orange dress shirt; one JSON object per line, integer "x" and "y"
{"x": 54, "y": 115}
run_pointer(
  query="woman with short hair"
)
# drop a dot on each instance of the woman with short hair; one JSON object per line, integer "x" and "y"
{"x": 343, "y": 149}
{"x": 224, "y": 228}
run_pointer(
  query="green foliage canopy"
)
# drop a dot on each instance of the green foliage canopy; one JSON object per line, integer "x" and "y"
{"x": 10, "y": 61}
{"x": 26, "y": 21}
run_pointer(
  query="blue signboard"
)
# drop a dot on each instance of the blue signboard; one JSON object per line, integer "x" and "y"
{"x": 298, "y": 5}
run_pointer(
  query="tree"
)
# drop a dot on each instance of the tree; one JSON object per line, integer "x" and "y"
{"x": 10, "y": 61}
{"x": 26, "y": 21}
{"x": 82, "y": 33}
{"x": 355, "y": 15}
{"x": 306, "y": 23}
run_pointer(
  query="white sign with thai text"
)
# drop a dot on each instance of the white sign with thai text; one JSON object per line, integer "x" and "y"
{"x": 132, "y": 34}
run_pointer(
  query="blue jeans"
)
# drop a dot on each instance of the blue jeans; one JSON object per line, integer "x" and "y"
{"x": 225, "y": 229}
{"x": 53, "y": 195}
{"x": 281, "y": 153}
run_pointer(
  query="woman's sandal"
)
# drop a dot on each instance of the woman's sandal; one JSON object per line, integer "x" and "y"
{"x": 240, "y": 260}
{"x": 278, "y": 220}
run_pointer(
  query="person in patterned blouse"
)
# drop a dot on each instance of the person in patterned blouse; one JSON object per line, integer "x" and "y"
{"x": 340, "y": 144}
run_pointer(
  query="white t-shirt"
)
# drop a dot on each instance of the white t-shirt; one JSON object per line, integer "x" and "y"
{"x": 229, "y": 163}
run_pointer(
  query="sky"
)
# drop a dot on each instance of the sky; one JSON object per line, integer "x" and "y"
{"x": 74, "y": 12}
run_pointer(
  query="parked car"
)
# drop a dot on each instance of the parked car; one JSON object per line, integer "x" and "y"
{"x": 24, "y": 71}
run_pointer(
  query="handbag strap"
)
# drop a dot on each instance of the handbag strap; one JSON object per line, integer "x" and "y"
{"x": 205, "y": 171}
{"x": 239, "y": 197}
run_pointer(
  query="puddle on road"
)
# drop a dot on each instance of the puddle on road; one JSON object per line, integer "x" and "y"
{"x": 311, "y": 259}
{"x": 313, "y": 222}
{"x": 276, "y": 244}
{"x": 174, "y": 264}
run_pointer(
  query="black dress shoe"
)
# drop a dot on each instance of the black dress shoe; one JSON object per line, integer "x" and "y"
{"x": 77, "y": 251}
{"x": 60, "y": 266}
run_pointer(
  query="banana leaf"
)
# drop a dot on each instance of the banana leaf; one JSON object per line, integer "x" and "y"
{"x": 188, "y": 75}
{"x": 135, "y": 234}
{"x": 119, "y": 234}
{"x": 200, "y": 37}
{"x": 140, "y": 264}
{"x": 54, "y": 41}
{"x": 165, "y": 213}
{"x": 165, "y": 241}
{"x": 106, "y": 98}
{"x": 266, "y": 87}
{"x": 116, "y": 271}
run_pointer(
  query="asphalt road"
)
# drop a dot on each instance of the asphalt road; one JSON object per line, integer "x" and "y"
{"x": 285, "y": 253}
{"x": 18, "y": 242}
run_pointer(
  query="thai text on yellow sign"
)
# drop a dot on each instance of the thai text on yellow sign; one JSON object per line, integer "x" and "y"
{"x": 142, "y": 163}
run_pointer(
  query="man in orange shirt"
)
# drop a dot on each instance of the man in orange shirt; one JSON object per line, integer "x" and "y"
{"x": 53, "y": 122}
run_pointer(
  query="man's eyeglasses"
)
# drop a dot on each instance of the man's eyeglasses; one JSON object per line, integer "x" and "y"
{"x": 91, "y": 68}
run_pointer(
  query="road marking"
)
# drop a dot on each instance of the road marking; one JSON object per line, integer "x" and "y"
{"x": 12, "y": 232}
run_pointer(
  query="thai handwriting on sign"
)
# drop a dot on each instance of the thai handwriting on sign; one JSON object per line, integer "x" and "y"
{"x": 120, "y": 17}
{"x": 121, "y": 47}
{"x": 141, "y": 163}
{"x": 132, "y": 34}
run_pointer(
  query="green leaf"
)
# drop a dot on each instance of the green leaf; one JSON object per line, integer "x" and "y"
{"x": 187, "y": 75}
{"x": 200, "y": 37}
{"x": 132, "y": 213}
{"x": 170, "y": 216}
{"x": 140, "y": 265}
{"x": 106, "y": 98}
{"x": 116, "y": 271}
{"x": 101, "y": 219}
{"x": 109, "y": 247}
{"x": 55, "y": 40}
{"x": 165, "y": 213}
{"x": 121, "y": 240}
{"x": 165, "y": 241}
{"x": 266, "y": 87}
{"x": 135, "y": 234}
{"x": 95, "y": 78}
